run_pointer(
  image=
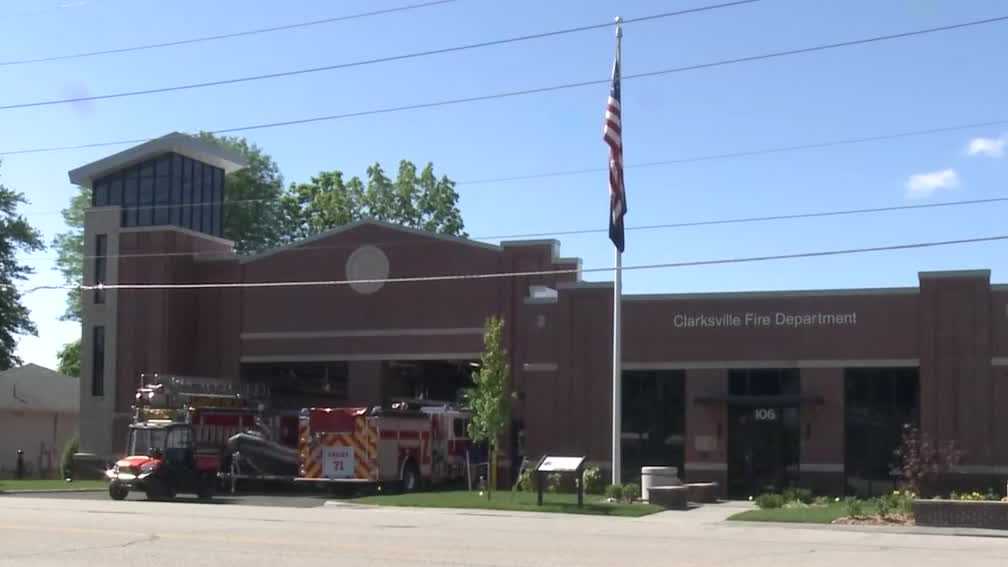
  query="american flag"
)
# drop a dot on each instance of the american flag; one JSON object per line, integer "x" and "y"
{"x": 612, "y": 134}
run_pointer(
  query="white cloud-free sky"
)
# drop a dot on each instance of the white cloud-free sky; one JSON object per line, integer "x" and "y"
{"x": 862, "y": 91}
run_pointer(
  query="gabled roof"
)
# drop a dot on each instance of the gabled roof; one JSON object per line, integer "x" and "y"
{"x": 35, "y": 388}
{"x": 176, "y": 142}
{"x": 372, "y": 222}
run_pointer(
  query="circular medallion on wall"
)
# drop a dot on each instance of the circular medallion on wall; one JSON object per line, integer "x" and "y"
{"x": 367, "y": 263}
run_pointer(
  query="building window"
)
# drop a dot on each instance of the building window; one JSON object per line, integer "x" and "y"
{"x": 98, "y": 362}
{"x": 130, "y": 194}
{"x": 654, "y": 420}
{"x": 101, "y": 250}
{"x": 878, "y": 403}
{"x": 146, "y": 195}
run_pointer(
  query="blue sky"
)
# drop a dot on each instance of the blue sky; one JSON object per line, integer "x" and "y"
{"x": 939, "y": 80}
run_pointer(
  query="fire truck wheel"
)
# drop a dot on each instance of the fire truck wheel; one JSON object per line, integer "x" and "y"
{"x": 410, "y": 478}
{"x": 117, "y": 491}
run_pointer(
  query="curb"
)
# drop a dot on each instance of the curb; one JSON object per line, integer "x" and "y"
{"x": 885, "y": 530}
{"x": 50, "y": 491}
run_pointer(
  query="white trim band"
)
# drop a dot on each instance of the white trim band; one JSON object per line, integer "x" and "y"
{"x": 706, "y": 467}
{"x": 540, "y": 367}
{"x": 999, "y": 361}
{"x": 335, "y": 357}
{"x": 339, "y": 334}
{"x": 979, "y": 469}
{"x": 745, "y": 364}
{"x": 821, "y": 467}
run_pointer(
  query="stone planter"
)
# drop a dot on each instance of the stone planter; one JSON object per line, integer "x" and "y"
{"x": 961, "y": 514}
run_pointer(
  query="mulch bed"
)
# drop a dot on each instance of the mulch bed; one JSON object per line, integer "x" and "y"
{"x": 890, "y": 520}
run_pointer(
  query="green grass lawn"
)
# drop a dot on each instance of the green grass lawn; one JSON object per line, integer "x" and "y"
{"x": 507, "y": 500}
{"x": 809, "y": 515}
{"x": 34, "y": 484}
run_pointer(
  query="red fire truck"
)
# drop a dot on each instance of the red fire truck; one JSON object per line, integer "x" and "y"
{"x": 410, "y": 444}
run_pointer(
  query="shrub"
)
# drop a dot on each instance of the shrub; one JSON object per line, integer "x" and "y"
{"x": 974, "y": 496}
{"x": 66, "y": 459}
{"x": 554, "y": 482}
{"x": 802, "y": 495}
{"x": 614, "y": 491}
{"x": 769, "y": 500}
{"x": 921, "y": 459}
{"x": 631, "y": 492}
{"x": 897, "y": 502}
{"x": 526, "y": 480}
{"x": 854, "y": 507}
{"x": 593, "y": 481}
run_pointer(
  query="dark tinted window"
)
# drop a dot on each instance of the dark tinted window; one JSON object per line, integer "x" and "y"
{"x": 146, "y": 217}
{"x": 98, "y": 361}
{"x": 131, "y": 189}
{"x": 176, "y": 190}
{"x": 187, "y": 189}
{"x": 162, "y": 193}
{"x": 101, "y": 249}
{"x": 101, "y": 195}
{"x": 208, "y": 197}
{"x": 197, "y": 199}
{"x": 654, "y": 420}
{"x": 115, "y": 191}
{"x": 219, "y": 201}
{"x": 878, "y": 403}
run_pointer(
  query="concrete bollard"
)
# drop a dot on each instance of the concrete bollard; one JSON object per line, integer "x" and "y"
{"x": 20, "y": 464}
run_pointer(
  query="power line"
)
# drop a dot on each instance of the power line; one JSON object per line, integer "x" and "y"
{"x": 540, "y": 90}
{"x": 372, "y": 61}
{"x": 769, "y": 218}
{"x": 677, "y": 161}
{"x": 294, "y": 247}
{"x": 244, "y": 33}
{"x": 744, "y": 153}
{"x": 563, "y": 271}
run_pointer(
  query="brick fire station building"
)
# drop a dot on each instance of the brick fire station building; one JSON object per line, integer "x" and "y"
{"x": 750, "y": 389}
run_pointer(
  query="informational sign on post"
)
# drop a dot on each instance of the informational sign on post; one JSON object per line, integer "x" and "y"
{"x": 337, "y": 462}
{"x": 560, "y": 465}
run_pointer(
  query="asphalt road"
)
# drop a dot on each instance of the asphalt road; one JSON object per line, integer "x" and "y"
{"x": 73, "y": 531}
{"x": 293, "y": 500}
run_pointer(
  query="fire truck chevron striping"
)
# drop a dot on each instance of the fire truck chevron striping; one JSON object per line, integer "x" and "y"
{"x": 382, "y": 445}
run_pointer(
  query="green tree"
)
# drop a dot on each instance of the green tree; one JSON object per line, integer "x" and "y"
{"x": 251, "y": 197}
{"x": 420, "y": 201}
{"x": 488, "y": 399}
{"x": 69, "y": 247}
{"x": 15, "y": 235}
{"x": 69, "y": 359}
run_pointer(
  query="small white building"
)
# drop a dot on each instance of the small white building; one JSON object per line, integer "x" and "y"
{"x": 39, "y": 413}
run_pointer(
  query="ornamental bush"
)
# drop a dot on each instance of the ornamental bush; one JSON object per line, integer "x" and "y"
{"x": 770, "y": 500}
{"x": 631, "y": 492}
{"x": 593, "y": 481}
{"x": 614, "y": 491}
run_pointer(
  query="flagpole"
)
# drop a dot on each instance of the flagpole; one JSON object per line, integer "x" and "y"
{"x": 617, "y": 357}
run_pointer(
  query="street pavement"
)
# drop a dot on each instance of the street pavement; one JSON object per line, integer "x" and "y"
{"x": 78, "y": 531}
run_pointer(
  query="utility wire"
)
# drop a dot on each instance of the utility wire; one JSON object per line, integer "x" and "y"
{"x": 243, "y": 33}
{"x": 677, "y": 161}
{"x": 372, "y": 61}
{"x": 563, "y": 271}
{"x": 540, "y": 90}
{"x": 744, "y": 153}
{"x": 308, "y": 247}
